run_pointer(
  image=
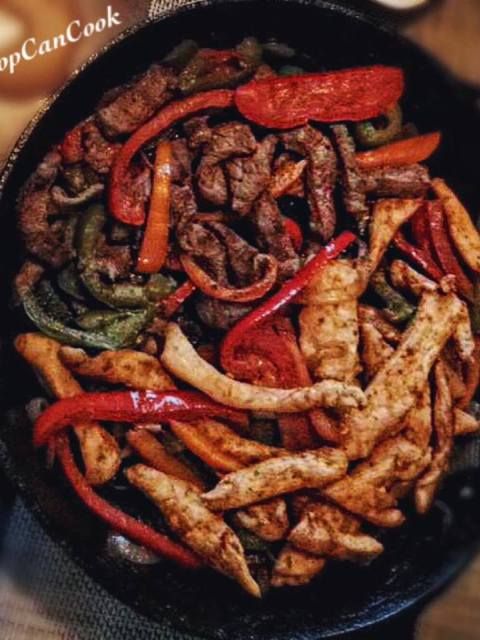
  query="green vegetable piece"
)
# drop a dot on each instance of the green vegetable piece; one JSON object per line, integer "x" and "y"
{"x": 69, "y": 282}
{"x": 291, "y": 70}
{"x": 53, "y": 303}
{"x": 398, "y": 309}
{"x": 369, "y": 135}
{"x": 181, "y": 55}
{"x": 120, "y": 295}
{"x": 117, "y": 335}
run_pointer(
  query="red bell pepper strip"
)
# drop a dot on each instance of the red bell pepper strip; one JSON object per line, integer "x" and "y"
{"x": 295, "y": 233}
{"x": 418, "y": 256}
{"x": 285, "y": 102}
{"x": 286, "y": 294}
{"x": 71, "y": 148}
{"x": 153, "y": 251}
{"x": 171, "y": 303}
{"x": 421, "y": 232}
{"x": 211, "y": 288}
{"x": 117, "y": 197}
{"x": 402, "y": 152}
{"x": 472, "y": 376}
{"x": 117, "y": 519}
{"x": 443, "y": 249}
{"x": 129, "y": 406}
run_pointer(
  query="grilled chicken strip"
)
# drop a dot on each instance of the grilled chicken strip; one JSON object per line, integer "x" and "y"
{"x": 307, "y": 470}
{"x": 396, "y": 387}
{"x": 295, "y": 567}
{"x": 268, "y": 520}
{"x": 186, "y": 515}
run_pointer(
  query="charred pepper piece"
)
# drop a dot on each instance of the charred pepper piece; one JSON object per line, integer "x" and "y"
{"x": 398, "y": 309}
{"x": 369, "y": 135}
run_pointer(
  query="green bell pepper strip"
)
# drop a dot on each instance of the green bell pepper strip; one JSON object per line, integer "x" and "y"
{"x": 368, "y": 135}
{"x": 70, "y": 283}
{"x": 120, "y": 295}
{"x": 398, "y": 309}
{"x": 117, "y": 335}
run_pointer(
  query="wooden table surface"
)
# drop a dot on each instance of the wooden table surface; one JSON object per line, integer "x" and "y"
{"x": 448, "y": 28}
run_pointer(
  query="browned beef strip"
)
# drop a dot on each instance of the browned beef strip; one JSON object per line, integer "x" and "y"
{"x": 99, "y": 152}
{"x": 218, "y": 314}
{"x": 353, "y": 183}
{"x": 321, "y": 176}
{"x": 46, "y": 241}
{"x": 264, "y": 71}
{"x": 250, "y": 176}
{"x": 243, "y": 258}
{"x": 409, "y": 181}
{"x": 208, "y": 250}
{"x": 113, "y": 261}
{"x": 28, "y": 276}
{"x": 230, "y": 139}
{"x": 183, "y": 205}
{"x": 197, "y": 131}
{"x": 136, "y": 103}
{"x": 272, "y": 237}
{"x": 181, "y": 161}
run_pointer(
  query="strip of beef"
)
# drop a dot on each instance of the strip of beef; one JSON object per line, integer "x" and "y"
{"x": 99, "y": 152}
{"x": 181, "y": 161}
{"x": 250, "y": 176}
{"x": 353, "y": 184}
{"x": 183, "y": 205}
{"x": 321, "y": 176}
{"x": 218, "y": 314}
{"x": 195, "y": 239}
{"x": 230, "y": 139}
{"x": 198, "y": 132}
{"x": 243, "y": 258}
{"x": 410, "y": 181}
{"x": 272, "y": 236}
{"x": 28, "y": 276}
{"x": 48, "y": 242}
{"x": 137, "y": 102}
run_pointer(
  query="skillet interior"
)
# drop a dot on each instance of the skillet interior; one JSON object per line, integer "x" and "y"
{"x": 421, "y": 556}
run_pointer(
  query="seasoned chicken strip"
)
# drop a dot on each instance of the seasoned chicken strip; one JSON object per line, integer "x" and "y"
{"x": 294, "y": 567}
{"x": 268, "y": 520}
{"x": 375, "y": 350}
{"x": 366, "y": 490}
{"x": 405, "y": 277}
{"x": 464, "y": 423}
{"x": 183, "y": 361}
{"x": 395, "y": 388}
{"x": 100, "y": 450}
{"x": 132, "y": 368}
{"x": 326, "y": 530}
{"x": 186, "y": 515}
{"x": 307, "y": 470}
{"x": 375, "y": 317}
{"x": 443, "y": 422}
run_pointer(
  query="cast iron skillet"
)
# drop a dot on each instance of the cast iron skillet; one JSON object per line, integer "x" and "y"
{"x": 420, "y": 557}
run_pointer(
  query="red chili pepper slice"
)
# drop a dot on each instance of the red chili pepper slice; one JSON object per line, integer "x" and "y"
{"x": 171, "y": 303}
{"x": 409, "y": 151}
{"x": 117, "y": 519}
{"x": 286, "y": 294}
{"x": 295, "y": 233}
{"x": 351, "y": 94}
{"x": 418, "y": 256}
{"x": 443, "y": 248}
{"x": 129, "y": 406}
{"x": 117, "y": 197}
{"x": 211, "y": 288}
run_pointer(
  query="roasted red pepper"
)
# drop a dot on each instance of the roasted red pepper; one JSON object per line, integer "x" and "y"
{"x": 71, "y": 147}
{"x": 351, "y": 94}
{"x": 421, "y": 232}
{"x": 286, "y": 294}
{"x": 418, "y": 256}
{"x": 119, "y": 521}
{"x": 295, "y": 233}
{"x": 409, "y": 151}
{"x": 171, "y": 303}
{"x": 129, "y": 406}
{"x": 443, "y": 249}
{"x": 211, "y": 288}
{"x": 118, "y": 200}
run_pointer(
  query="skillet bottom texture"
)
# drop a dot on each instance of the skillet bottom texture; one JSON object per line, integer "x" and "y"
{"x": 421, "y": 556}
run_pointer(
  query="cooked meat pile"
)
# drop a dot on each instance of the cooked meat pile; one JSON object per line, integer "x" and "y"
{"x": 315, "y": 415}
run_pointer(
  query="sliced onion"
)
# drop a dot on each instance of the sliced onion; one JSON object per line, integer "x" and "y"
{"x": 120, "y": 547}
